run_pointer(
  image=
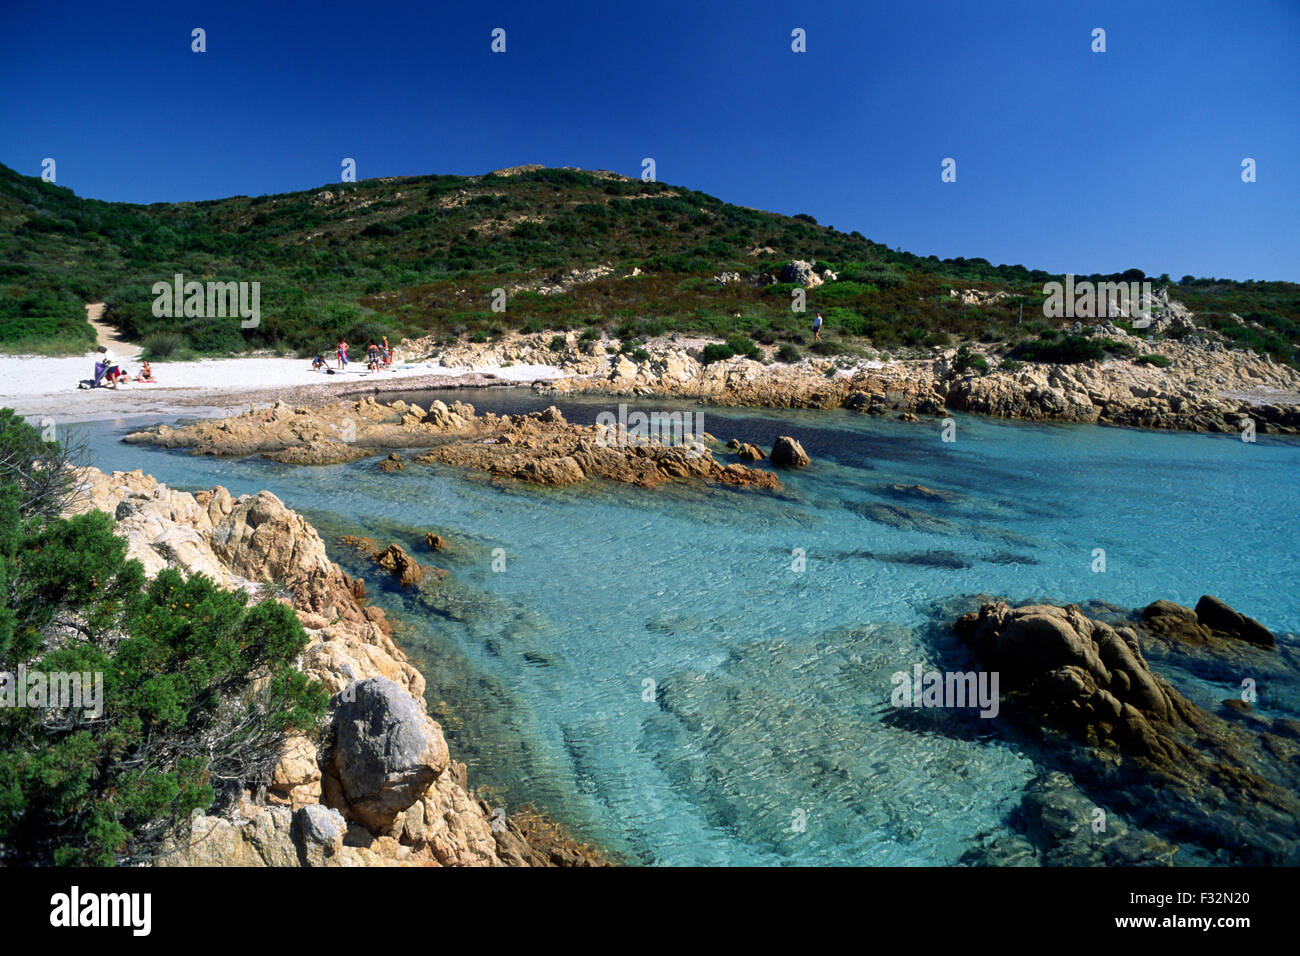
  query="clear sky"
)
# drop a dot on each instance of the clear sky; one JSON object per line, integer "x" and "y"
{"x": 1067, "y": 160}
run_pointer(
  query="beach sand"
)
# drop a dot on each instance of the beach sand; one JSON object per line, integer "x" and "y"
{"x": 38, "y": 387}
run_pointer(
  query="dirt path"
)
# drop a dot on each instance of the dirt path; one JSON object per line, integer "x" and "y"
{"x": 108, "y": 336}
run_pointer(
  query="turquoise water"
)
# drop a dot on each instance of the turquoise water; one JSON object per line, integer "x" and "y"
{"x": 764, "y": 736}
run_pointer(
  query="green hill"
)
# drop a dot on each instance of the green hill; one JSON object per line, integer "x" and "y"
{"x": 421, "y": 255}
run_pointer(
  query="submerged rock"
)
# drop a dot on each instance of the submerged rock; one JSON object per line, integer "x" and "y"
{"x": 1080, "y": 693}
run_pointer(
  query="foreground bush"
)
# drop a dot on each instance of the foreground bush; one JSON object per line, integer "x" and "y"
{"x": 198, "y": 688}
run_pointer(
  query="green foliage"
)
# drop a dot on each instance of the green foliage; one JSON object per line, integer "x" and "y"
{"x": 965, "y": 360}
{"x": 716, "y": 352}
{"x": 1159, "y": 361}
{"x": 740, "y": 345}
{"x": 788, "y": 353}
{"x": 1064, "y": 350}
{"x": 164, "y": 345}
{"x": 420, "y": 255}
{"x": 45, "y": 323}
{"x": 198, "y": 688}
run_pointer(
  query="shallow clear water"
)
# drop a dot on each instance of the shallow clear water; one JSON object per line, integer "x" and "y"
{"x": 765, "y": 736}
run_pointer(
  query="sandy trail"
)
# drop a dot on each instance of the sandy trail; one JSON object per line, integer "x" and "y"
{"x": 108, "y": 336}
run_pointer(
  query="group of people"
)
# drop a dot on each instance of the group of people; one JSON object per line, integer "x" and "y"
{"x": 378, "y": 356}
{"x": 110, "y": 374}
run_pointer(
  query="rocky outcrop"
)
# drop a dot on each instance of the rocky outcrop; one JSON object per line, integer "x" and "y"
{"x": 745, "y": 451}
{"x": 1080, "y": 691}
{"x": 1204, "y": 387}
{"x": 806, "y": 274}
{"x": 384, "y": 791}
{"x": 541, "y": 447}
{"x": 1212, "y": 620}
{"x": 788, "y": 453}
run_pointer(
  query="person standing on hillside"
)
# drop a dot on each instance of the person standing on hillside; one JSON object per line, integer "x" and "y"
{"x": 817, "y": 327}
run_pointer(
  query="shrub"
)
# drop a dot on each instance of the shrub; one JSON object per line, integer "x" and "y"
{"x": 740, "y": 345}
{"x": 716, "y": 352}
{"x": 1159, "y": 361}
{"x": 163, "y": 345}
{"x": 966, "y": 360}
{"x": 827, "y": 348}
{"x": 559, "y": 343}
{"x": 199, "y": 690}
{"x": 1010, "y": 365}
{"x": 1067, "y": 350}
{"x": 788, "y": 353}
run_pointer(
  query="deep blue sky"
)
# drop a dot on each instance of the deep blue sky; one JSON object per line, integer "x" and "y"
{"x": 1066, "y": 160}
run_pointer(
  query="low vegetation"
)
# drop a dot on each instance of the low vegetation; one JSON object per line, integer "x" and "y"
{"x": 198, "y": 687}
{"x": 423, "y": 255}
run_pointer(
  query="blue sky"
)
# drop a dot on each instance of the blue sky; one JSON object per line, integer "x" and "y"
{"x": 1067, "y": 160}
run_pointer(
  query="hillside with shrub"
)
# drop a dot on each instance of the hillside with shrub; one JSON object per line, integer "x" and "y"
{"x": 418, "y": 256}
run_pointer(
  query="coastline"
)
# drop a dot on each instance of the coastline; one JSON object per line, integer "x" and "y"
{"x": 1203, "y": 386}
{"x": 1013, "y": 851}
{"x": 314, "y": 813}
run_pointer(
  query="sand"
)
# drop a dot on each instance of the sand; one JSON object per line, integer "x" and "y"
{"x": 38, "y": 387}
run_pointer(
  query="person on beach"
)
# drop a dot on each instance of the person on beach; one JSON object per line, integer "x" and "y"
{"x": 343, "y": 354}
{"x": 817, "y": 327}
{"x": 318, "y": 363}
{"x": 146, "y": 373}
{"x": 372, "y": 357}
{"x": 388, "y": 353}
{"x": 111, "y": 372}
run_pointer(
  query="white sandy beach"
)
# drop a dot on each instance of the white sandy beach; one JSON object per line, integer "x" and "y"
{"x": 39, "y": 387}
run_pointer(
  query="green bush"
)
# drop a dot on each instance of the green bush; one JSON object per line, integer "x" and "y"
{"x": 1067, "y": 350}
{"x": 740, "y": 345}
{"x": 164, "y": 345}
{"x": 199, "y": 690}
{"x": 716, "y": 352}
{"x": 788, "y": 353}
{"x": 559, "y": 343}
{"x": 965, "y": 360}
{"x": 1159, "y": 361}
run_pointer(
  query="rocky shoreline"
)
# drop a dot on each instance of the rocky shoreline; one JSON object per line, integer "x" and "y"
{"x": 1203, "y": 385}
{"x": 379, "y": 787}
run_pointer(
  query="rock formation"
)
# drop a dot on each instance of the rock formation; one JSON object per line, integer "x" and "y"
{"x": 788, "y": 453}
{"x": 1081, "y": 690}
{"x": 540, "y": 447}
{"x": 385, "y": 791}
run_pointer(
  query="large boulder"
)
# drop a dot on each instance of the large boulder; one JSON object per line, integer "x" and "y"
{"x": 387, "y": 750}
{"x": 788, "y": 453}
{"x": 1083, "y": 673}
